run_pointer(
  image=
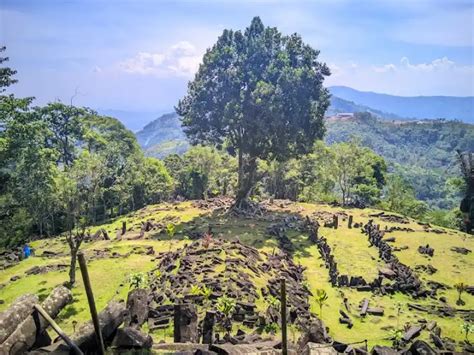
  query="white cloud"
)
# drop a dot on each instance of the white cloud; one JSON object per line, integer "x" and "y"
{"x": 440, "y": 76}
{"x": 181, "y": 59}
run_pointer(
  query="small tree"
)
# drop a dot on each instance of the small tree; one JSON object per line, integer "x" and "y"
{"x": 170, "y": 230}
{"x": 467, "y": 328}
{"x": 321, "y": 298}
{"x": 460, "y": 287}
{"x": 138, "y": 280}
{"x": 226, "y": 306}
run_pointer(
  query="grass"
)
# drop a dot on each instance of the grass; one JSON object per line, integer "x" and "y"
{"x": 351, "y": 249}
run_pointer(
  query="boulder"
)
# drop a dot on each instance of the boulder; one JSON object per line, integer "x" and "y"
{"x": 185, "y": 323}
{"x": 137, "y": 306}
{"x": 25, "y": 334}
{"x": 318, "y": 349}
{"x": 20, "y": 309}
{"x": 420, "y": 347}
{"x": 383, "y": 350}
{"x": 131, "y": 338}
{"x": 315, "y": 333}
{"x": 111, "y": 317}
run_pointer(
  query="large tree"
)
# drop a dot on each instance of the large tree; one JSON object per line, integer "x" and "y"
{"x": 259, "y": 94}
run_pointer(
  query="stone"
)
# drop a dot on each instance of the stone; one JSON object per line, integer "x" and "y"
{"x": 318, "y": 349}
{"x": 131, "y": 338}
{"x": 208, "y": 327}
{"x": 365, "y": 305}
{"x": 420, "y": 347}
{"x": 461, "y": 250}
{"x": 25, "y": 334}
{"x": 411, "y": 333}
{"x": 383, "y": 350}
{"x": 185, "y": 323}
{"x": 375, "y": 311}
{"x": 110, "y": 318}
{"x": 315, "y": 333}
{"x": 20, "y": 309}
{"x": 137, "y": 306}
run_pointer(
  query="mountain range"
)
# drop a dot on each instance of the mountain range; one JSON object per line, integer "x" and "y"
{"x": 414, "y": 107}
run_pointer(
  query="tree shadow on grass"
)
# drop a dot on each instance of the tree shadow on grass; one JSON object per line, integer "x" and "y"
{"x": 248, "y": 230}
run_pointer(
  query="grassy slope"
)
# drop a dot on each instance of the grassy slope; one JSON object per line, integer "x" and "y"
{"x": 109, "y": 276}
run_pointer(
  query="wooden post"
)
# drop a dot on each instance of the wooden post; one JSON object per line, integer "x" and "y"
{"x": 349, "y": 223}
{"x": 58, "y": 330}
{"x": 176, "y": 325}
{"x": 90, "y": 299}
{"x": 335, "y": 221}
{"x": 284, "y": 338}
{"x": 124, "y": 227}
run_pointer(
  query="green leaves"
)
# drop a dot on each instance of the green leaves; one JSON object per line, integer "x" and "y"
{"x": 259, "y": 92}
{"x": 225, "y": 305}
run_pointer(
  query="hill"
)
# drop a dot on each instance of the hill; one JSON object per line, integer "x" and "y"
{"x": 163, "y": 136}
{"x": 424, "y": 152}
{"x": 406, "y": 286}
{"x": 420, "y": 107}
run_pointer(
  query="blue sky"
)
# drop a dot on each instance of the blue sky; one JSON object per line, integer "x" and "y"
{"x": 139, "y": 55}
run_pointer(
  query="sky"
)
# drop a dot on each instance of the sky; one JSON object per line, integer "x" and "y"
{"x": 139, "y": 55}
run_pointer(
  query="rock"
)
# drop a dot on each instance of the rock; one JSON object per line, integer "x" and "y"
{"x": 20, "y": 309}
{"x": 315, "y": 333}
{"x": 461, "y": 250}
{"x": 420, "y": 347}
{"x": 426, "y": 250}
{"x": 383, "y": 350}
{"x": 137, "y": 306}
{"x": 375, "y": 311}
{"x": 431, "y": 325}
{"x": 411, "y": 333}
{"x": 185, "y": 324}
{"x": 437, "y": 341}
{"x": 365, "y": 305}
{"x": 131, "y": 338}
{"x": 25, "y": 334}
{"x": 110, "y": 318}
{"x": 318, "y": 349}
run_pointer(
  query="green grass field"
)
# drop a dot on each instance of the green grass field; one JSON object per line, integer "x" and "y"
{"x": 109, "y": 277}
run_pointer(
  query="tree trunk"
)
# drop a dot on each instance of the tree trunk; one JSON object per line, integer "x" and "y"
{"x": 72, "y": 269}
{"x": 247, "y": 180}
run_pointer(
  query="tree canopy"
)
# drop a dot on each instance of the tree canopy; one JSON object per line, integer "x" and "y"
{"x": 260, "y": 95}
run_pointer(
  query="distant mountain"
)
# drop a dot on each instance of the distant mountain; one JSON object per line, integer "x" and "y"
{"x": 339, "y": 105}
{"x": 419, "y": 107}
{"x": 133, "y": 120}
{"x": 163, "y": 136}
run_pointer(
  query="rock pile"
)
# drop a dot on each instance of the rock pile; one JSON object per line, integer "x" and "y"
{"x": 225, "y": 268}
{"x": 404, "y": 278}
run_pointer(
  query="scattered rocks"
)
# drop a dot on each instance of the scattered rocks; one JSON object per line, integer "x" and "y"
{"x": 461, "y": 250}
{"x": 427, "y": 250}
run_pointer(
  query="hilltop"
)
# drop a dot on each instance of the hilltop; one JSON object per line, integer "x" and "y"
{"x": 436, "y": 258}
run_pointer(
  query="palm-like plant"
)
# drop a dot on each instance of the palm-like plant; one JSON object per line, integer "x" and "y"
{"x": 170, "y": 230}
{"x": 321, "y": 298}
{"x": 226, "y": 306}
{"x": 467, "y": 328}
{"x": 195, "y": 290}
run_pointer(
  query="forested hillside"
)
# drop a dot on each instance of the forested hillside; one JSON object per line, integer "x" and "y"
{"x": 423, "y": 152}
